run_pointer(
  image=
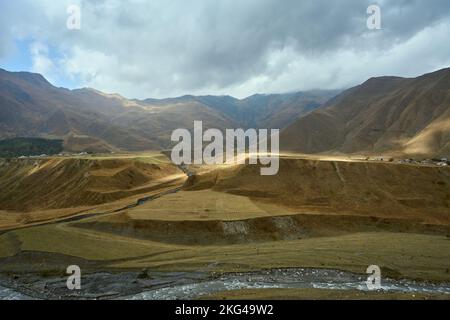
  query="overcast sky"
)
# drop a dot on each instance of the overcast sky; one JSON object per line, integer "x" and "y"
{"x": 162, "y": 48}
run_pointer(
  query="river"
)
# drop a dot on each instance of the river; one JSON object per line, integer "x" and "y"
{"x": 191, "y": 285}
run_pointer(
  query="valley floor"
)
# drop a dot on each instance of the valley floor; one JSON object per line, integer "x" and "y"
{"x": 323, "y": 215}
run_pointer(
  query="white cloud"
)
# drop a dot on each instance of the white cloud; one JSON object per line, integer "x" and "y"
{"x": 41, "y": 63}
{"x": 288, "y": 70}
{"x": 159, "y": 48}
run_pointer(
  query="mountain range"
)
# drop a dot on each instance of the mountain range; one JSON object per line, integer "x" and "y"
{"x": 87, "y": 119}
{"x": 384, "y": 115}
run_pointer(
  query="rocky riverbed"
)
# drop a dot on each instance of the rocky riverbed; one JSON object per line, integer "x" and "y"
{"x": 191, "y": 285}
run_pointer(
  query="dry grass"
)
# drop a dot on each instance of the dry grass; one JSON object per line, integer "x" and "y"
{"x": 339, "y": 205}
{"x": 16, "y": 219}
{"x": 78, "y": 243}
{"x": 407, "y": 255}
{"x": 204, "y": 205}
{"x": 360, "y": 188}
{"x": 41, "y": 190}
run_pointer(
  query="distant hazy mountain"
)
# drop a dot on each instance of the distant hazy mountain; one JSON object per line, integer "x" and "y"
{"x": 89, "y": 120}
{"x": 382, "y": 115}
{"x": 259, "y": 110}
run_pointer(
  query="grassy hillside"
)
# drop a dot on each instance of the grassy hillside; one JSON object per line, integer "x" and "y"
{"x": 389, "y": 115}
{"x": 56, "y": 183}
{"x": 386, "y": 190}
{"x": 322, "y": 214}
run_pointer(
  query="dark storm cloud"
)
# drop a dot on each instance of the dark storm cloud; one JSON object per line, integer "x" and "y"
{"x": 161, "y": 48}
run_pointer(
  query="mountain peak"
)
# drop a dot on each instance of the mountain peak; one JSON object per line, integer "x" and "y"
{"x": 30, "y": 77}
{"x": 382, "y": 115}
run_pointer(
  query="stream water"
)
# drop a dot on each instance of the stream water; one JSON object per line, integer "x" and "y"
{"x": 190, "y": 285}
{"x": 288, "y": 278}
{"x": 11, "y": 294}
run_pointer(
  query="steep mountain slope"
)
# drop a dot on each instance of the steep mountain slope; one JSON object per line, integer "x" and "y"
{"x": 382, "y": 115}
{"x": 259, "y": 110}
{"x": 89, "y": 120}
{"x": 278, "y": 111}
{"x": 31, "y": 106}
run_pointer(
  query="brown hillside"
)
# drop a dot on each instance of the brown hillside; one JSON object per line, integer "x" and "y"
{"x": 29, "y": 185}
{"x": 90, "y": 120}
{"x": 307, "y": 199}
{"x": 383, "y": 115}
{"x": 337, "y": 187}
